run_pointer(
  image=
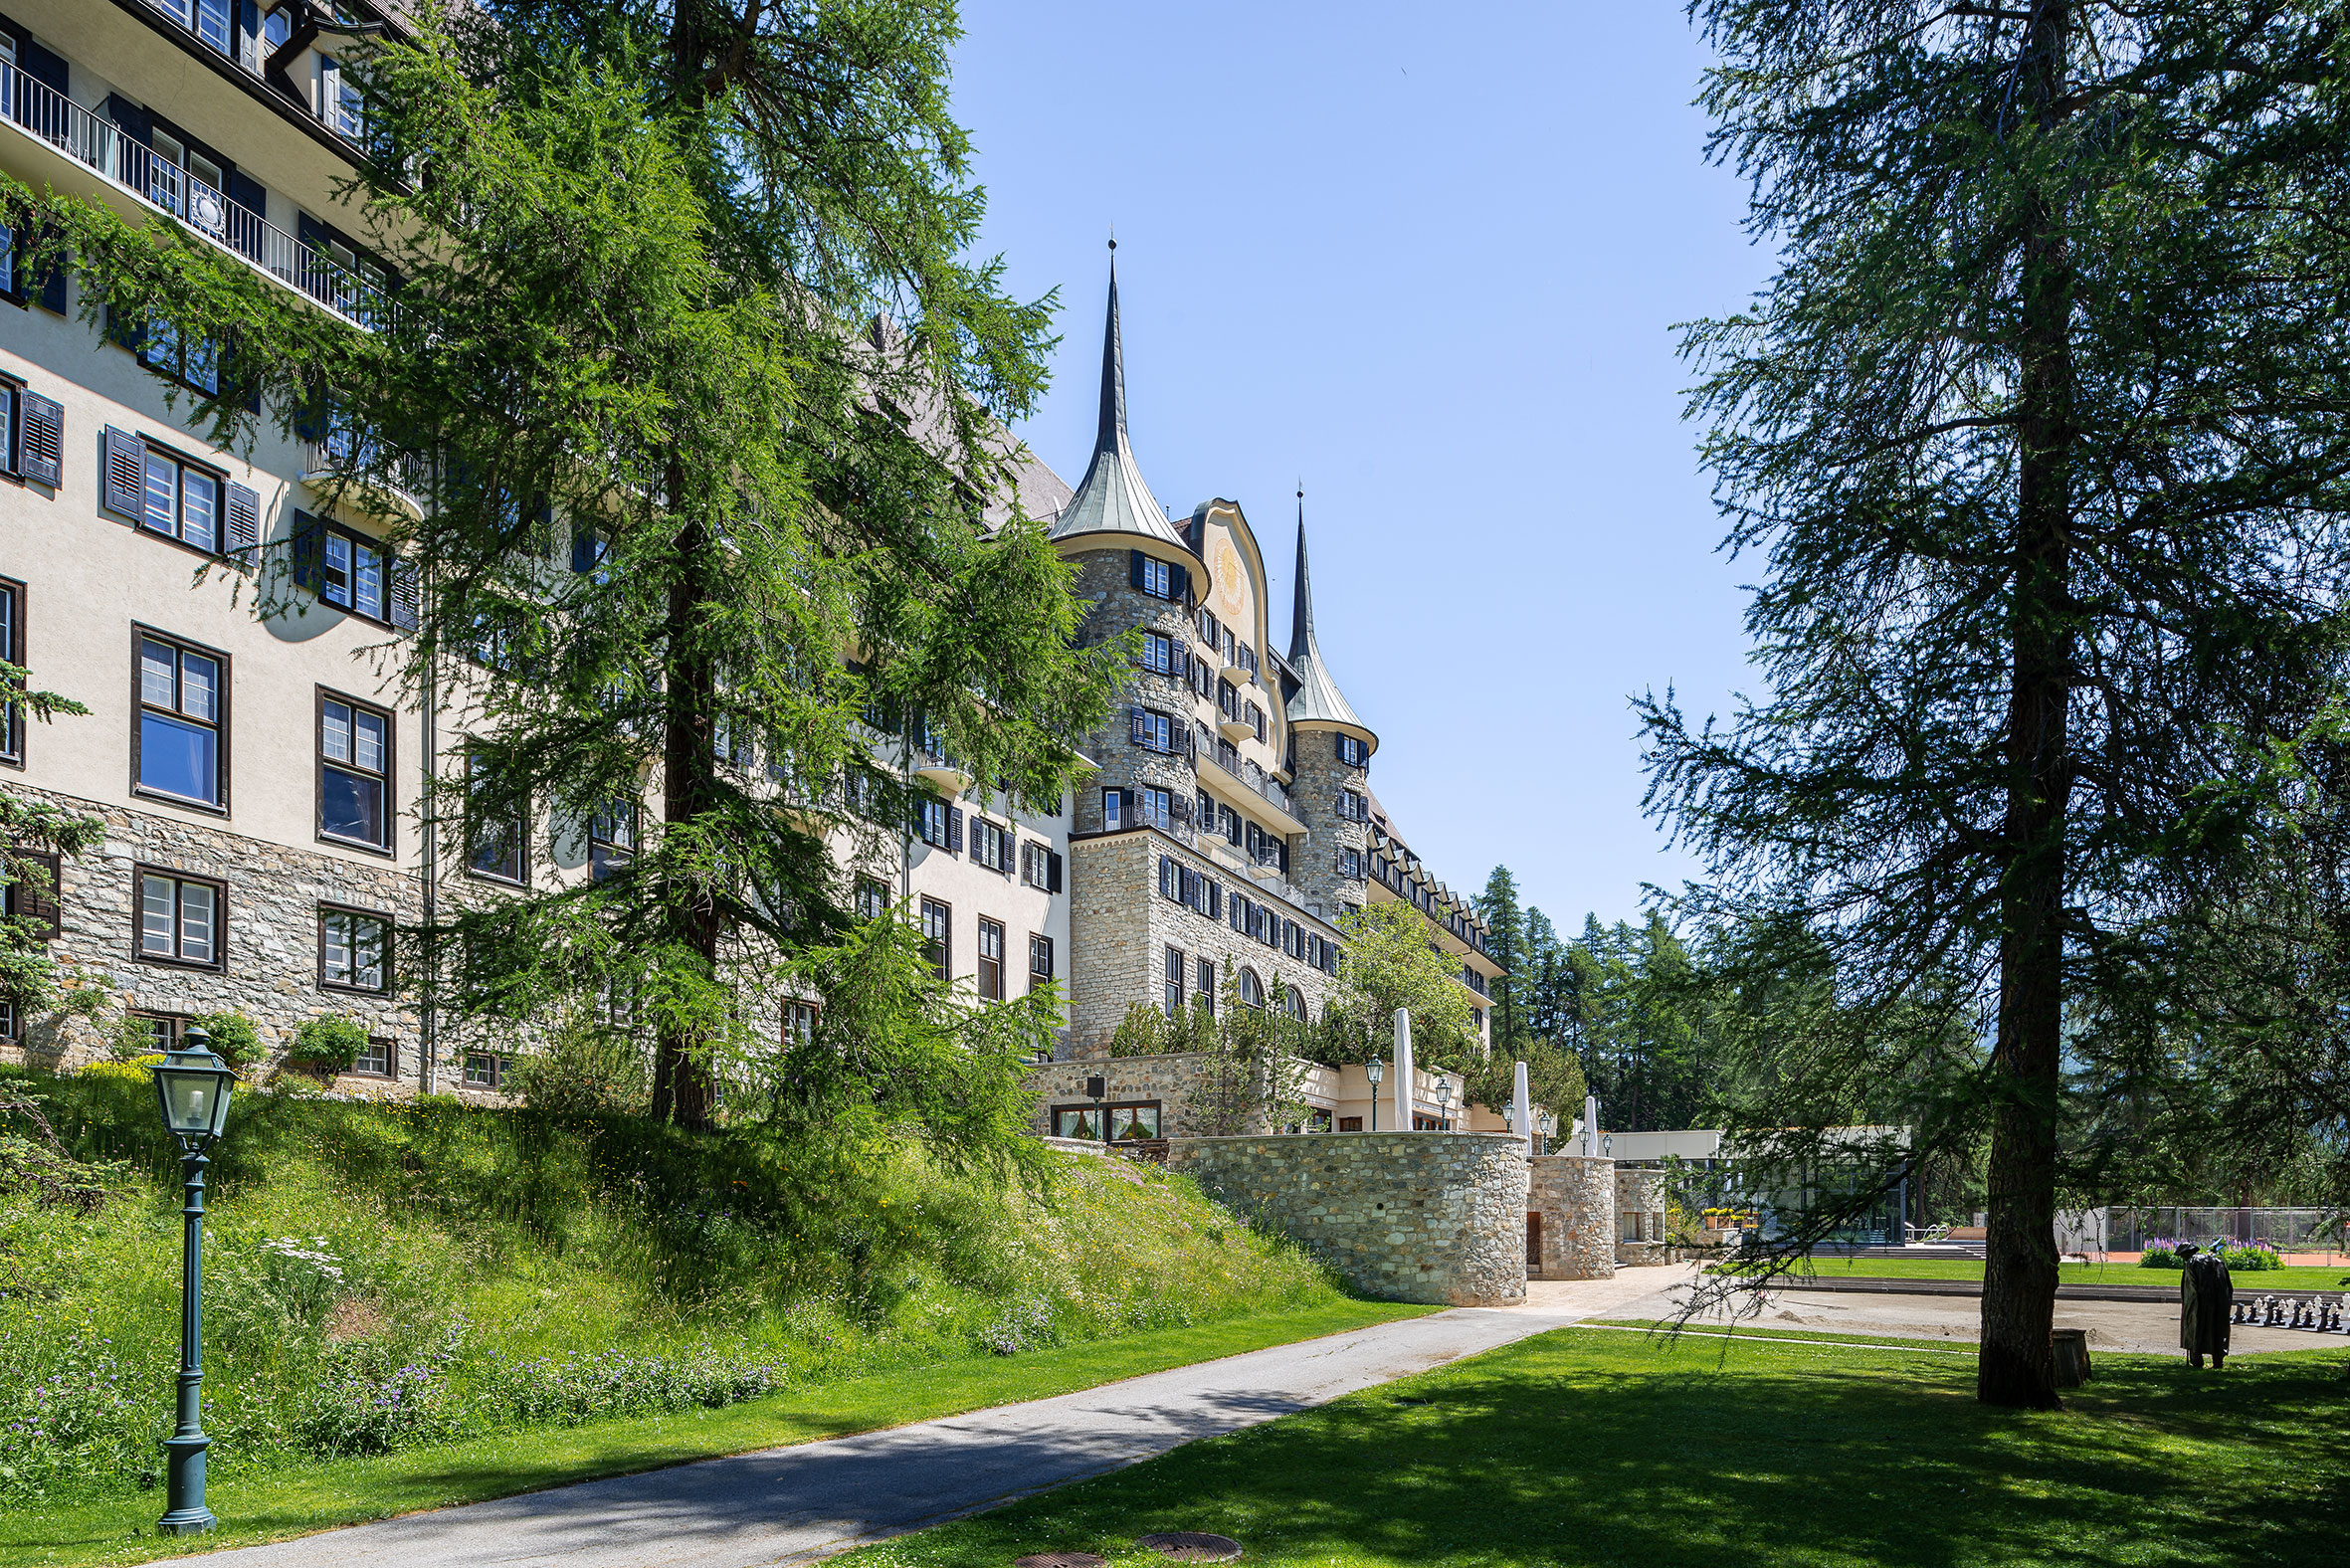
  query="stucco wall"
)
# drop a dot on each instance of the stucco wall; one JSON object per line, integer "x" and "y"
{"x": 1431, "y": 1217}
{"x": 1576, "y": 1198}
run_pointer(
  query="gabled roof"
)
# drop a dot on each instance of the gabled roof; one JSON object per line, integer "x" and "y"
{"x": 1112, "y": 497}
{"x": 1317, "y": 698}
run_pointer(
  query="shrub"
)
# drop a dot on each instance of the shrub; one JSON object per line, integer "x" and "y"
{"x": 583, "y": 1068}
{"x": 2253, "y": 1258}
{"x": 131, "y": 1038}
{"x": 2160, "y": 1253}
{"x": 327, "y": 1044}
{"x": 568, "y": 1389}
{"x": 234, "y": 1038}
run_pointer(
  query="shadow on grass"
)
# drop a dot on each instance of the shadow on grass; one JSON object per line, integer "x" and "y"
{"x": 1588, "y": 1449}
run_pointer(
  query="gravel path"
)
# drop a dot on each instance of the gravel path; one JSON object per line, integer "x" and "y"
{"x": 797, "y": 1504}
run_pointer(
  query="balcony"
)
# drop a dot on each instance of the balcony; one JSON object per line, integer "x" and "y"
{"x": 1274, "y": 807}
{"x": 50, "y": 140}
{"x": 942, "y": 773}
{"x": 385, "y": 481}
{"x": 1234, "y": 729}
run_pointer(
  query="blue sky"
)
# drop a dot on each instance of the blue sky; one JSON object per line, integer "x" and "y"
{"x": 1429, "y": 260}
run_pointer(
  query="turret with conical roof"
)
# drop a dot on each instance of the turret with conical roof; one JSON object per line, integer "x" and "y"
{"x": 1317, "y": 700}
{"x": 1114, "y": 506}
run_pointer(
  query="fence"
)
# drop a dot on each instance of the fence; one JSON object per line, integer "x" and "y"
{"x": 2286, "y": 1229}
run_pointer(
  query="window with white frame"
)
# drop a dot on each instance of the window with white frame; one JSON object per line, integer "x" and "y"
{"x": 612, "y": 837}
{"x": 354, "y": 949}
{"x": 354, "y": 772}
{"x": 180, "y": 746}
{"x": 181, "y": 918}
{"x": 991, "y": 959}
{"x": 938, "y": 937}
{"x": 1158, "y": 652}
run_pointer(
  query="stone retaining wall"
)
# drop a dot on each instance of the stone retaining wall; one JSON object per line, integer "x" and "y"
{"x": 1639, "y": 1216}
{"x": 1576, "y": 1198}
{"x": 1430, "y": 1217}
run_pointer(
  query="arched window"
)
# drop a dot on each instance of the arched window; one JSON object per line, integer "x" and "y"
{"x": 1251, "y": 988}
{"x": 1296, "y": 1004}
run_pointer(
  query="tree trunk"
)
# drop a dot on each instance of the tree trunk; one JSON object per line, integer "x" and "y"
{"x": 2016, "y": 1365}
{"x": 682, "y": 1090}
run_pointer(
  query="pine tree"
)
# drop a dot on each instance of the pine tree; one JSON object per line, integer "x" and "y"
{"x": 2041, "y": 429}
{"x": 1505, "y": 941}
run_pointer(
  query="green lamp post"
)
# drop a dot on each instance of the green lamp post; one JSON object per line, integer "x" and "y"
{"x": 192, "y": 1088}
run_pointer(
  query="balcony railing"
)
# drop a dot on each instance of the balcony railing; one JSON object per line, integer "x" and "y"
{"x": 407, "y": 473}
{"x": 41, "y": 111}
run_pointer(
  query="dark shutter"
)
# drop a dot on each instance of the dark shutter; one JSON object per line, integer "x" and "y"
{"x": 1134, "y": 568}
{"x": 42, "y": 458}
{"x": 125, "y": 488}
{"x": 1178, "y": 584}
{"x": 308, "y": 542}
{"x": 244, "y": 532}
{"x": 1215, "y": 910}
{"x": 135, "y": 122}
{"x": 53, "y": 287}
{"x": 1134, "y": 727}
{"x": 1010, "y": 847}
{"x": 954, "y": 830}
{"x": 583, "y": 546}
{"x": 403, "y": 595}
{"x": 1052, "y": 870}
{"x": 35, "y": 897}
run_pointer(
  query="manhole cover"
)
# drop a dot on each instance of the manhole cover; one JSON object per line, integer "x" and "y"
{"x": 1193, "y": 1546}
{"x": 1059, "y": 1560}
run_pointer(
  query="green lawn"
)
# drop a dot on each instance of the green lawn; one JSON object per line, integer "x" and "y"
{"x": 2299, "y": 1278}
{"x": 1590, "y": 1446}
{"x": 315, "y": 1495}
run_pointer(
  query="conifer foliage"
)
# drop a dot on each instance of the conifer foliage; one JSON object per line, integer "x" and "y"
{"x": 2040, "y": 431}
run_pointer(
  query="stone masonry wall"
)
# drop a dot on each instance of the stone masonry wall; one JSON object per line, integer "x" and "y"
{"x": 1430, "y": 1217}
{"x": 1120, "y": 928}
{"x": 1639, "y": 1216}
{"x": 270, "y": 968}
{"x": 1576, "y": 1198}
{"x": 1103, "y": 576}
{"x": 1318, "y": 778}
{"x": 1172, "y": 1079}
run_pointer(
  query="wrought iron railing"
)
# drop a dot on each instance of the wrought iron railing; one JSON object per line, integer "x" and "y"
{"x": 41, "y": 112}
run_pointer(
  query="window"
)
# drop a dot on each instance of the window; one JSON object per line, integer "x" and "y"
{"x": 1154, "y": 808}
{"x": 164, "y": 1028}
{"x": 938, "y": 824}
{"x": 34, "y": 891}
{"x": 799, "y": 1023}
{"x": 1134, "y": 1121}
{"x": 193, "y": 362}
{"x": 379, "y": 1058}
{"x": 1257, "y": 721}
{"x": 991, "y": 845}
{"x": 1228, "y": 702}
{"x": 1077, "y": 1121}
{"x": 1296, "y": 1002}
{"x": 495, "y": 825}
{"x": 1112, "y": 810}
{"x": 1155, "y": 578}
{"x": 1350, "y": 1124}
{"x": 339, "y": 100}
{"x": 1351, "y": 751}
{"x": 1211, "y": 631}
{"x": 1154, "y": 732}
{"x": 486, "y": 1069}
{"x": 1476, "y": 1019}
{"x": 1170, "y": 878}
{"x": 1350, "y": 863}
{"x": 1205, "y": 991}
{"x": 354, "y": 769}
{"x": 180, "y": 746}
{"x": 1158, "y": 652}
{"x": 873, "y": 899}
{"x": 1040, "y": 866}
{"x": 181, "y": 919}
{"x": 612, "y": 837}
{"x": 1177, "y": 968}
{"x": 991, "y": 959}
{"x": 181, "y": 500}
{"x": 1040, "y": 959}
{"x": 353, "y": 949}
{"x": 1352, "y": 806}
{"x": 346, "y": 569}
{"x": 1228, "y": 822}
{"x": 1206, "y": 805}
{"x": 1245, "y": 655}
{"x": 938, "y": 937}
{"x": 1251, "y": 989}
{"x": 12, "y": 649}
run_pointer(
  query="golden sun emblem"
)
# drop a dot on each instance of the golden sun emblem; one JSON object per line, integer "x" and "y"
{"x": 1227, "y": 564}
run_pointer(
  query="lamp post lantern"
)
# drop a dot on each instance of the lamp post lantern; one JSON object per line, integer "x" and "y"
{"x": 192, "y": 1091}
{"x": 1444, "y": 1102}
{"x": 1544, "y": 1123}
{"x": 1378, "y": 1070}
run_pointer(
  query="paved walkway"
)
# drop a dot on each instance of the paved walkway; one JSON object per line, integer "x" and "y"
{"x": 808, "y": 1501}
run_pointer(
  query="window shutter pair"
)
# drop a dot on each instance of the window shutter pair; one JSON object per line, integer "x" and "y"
{"x": 125, "y": 489}
{"x": 43, "y": 440}
{"x": 954, "y": 830}
{"x": 1052, "y": 870}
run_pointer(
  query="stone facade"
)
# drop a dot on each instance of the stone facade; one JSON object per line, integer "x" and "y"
{"x": 1575, "y": 1199}
{"x": 1104, "y": 579}
{"x": 1320, "y": 782}
{"x": 1167, "y": 1086}
{"x": 1639, "y": 1216}
{"x": 1122, "y": 926}
{"x": 1430, "y": 1217}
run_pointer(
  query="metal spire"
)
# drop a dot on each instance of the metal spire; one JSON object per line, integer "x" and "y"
{"x": 1112, "y": 497}
{"x": 1112, "y": 433}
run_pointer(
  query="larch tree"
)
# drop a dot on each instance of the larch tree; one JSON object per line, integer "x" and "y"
{"x": 2041, "y": 431}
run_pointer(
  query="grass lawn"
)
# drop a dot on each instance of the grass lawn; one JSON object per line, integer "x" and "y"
{"x": 1587, "y": 1446}
{"x": 2303, "y": 1278}
{"x": 311, "y": 1497}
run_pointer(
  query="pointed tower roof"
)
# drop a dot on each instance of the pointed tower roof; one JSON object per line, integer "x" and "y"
{"x": 1112, "y": 498}
{"x": 1319, "y": 700}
